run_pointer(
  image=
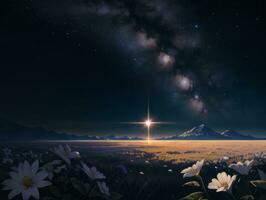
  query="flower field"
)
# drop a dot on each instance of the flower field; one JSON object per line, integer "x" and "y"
{"x": 61, "y": 171}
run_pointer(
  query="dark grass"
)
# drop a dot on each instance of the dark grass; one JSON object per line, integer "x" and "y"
{"x": 123, "y": 174}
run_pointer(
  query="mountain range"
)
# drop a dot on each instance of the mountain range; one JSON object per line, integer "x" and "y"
{"x": 13, "y": 131}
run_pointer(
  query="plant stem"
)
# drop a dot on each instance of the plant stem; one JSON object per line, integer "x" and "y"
{"x": 204, "y": 188}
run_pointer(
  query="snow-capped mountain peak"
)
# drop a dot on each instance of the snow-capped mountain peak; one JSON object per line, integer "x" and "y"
{"x": 200, "y": 131}
{"x": 203, "y": 132}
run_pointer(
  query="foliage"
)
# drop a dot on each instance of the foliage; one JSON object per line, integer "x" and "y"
{"x": 88, "y": 176}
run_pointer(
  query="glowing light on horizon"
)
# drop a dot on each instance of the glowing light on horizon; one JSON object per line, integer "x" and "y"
{"x": 148, "y": 123}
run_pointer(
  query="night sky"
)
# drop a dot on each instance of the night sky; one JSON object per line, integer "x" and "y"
{"x": 85, "y": 66}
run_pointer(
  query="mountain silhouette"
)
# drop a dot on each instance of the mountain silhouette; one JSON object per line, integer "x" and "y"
{"x": 13, "y": 131}
{"x": 203, "y": 132}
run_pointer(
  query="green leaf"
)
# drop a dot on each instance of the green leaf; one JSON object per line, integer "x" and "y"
{"x": 259, "y": 184}
{"x": 194, "y": 196}
{"x": 79, "y": 186}
{"x": 192, "y": 184}
{"x": 247, "y": 197}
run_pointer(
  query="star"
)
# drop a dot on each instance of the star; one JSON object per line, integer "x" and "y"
{"x": 148, "y": 123}
{"x": 165, "y": 60}
{"x": 183, "y": 82}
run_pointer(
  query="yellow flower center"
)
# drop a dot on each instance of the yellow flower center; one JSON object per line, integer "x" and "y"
{"x": 27, "y": 182}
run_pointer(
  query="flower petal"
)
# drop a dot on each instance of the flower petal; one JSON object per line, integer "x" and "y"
{"x": 212, "y": 185}
{"x": 185, "y": 170}
{"x": 35, "y": 167}
{"x": 26, "y": 169}
{"x": 40, "y": 176}
{"x": 35, "y": 193}
{"x": 42, "y": 184}
{"x": 221, "y": 189}
{"x": 26, "y": 194}
{"x": 13, "y": 193}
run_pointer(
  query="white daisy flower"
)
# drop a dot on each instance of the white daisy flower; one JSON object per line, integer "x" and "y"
{"x": 103, "y": 188}
{"x": 26, "y": 181}
{"x": 65, "y": 153}
{"x": 242, "y": 168}
{"x": 92, "y": 172}
{"x": 222, "y": 183}
{"x": 225, "y": 158}
{"x": 194, "y": 170}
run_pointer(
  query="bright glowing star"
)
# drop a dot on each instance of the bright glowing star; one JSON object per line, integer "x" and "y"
{"x": 148, "y": 123}
{"x": 165, "y": 60}
{"x": 183, "y": 82}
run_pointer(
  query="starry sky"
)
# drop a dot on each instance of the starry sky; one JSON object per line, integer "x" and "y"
{"x": 85, "y": 66}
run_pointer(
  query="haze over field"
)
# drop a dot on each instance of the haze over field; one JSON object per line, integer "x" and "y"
{"x": 175, "y": 151}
